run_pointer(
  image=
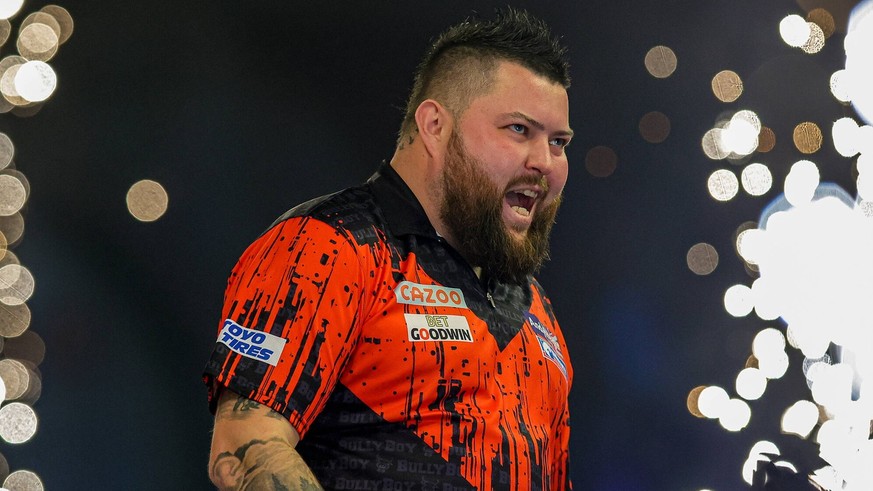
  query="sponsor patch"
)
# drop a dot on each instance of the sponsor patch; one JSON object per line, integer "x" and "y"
{"x": 251, "y": 343}
{"x": 410, "y": 293}
{"x": 425, "y": 327}
{"x": 548, "y": 343}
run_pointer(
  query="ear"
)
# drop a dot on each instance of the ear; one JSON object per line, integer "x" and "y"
{"x": 435, "y": 125}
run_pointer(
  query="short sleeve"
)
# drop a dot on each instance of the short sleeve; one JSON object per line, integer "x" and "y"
{"x": 289, "y": 321}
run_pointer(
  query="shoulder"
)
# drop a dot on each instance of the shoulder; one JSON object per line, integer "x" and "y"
{"x": 353, "y": 212}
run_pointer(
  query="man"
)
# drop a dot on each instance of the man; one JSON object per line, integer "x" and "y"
{"x": 390, "y": 336}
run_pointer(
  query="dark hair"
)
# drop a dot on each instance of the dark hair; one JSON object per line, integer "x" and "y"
{"x": 459, "y": 65}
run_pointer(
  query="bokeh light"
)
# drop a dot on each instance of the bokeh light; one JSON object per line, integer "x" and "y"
{"x": 693, "y": 401}
{"x": 727, "y": 86}
{"x": 23, "y": 480}
{"x": 601, "y": 161}
{"x": 654, "y": 127}
{"x": 756, "y": 179}
{"x": 807, "y": 137}
{"x": 35, "y": 81}
{"x": 712, "y": 401}
{"x": 751, "y": 384}
{"x": 738, "y": 300}
{"x": 823, "y": 19}
{"x": 735, "y": 416}
{"x": 859, "y": 59}
{"x": 64, "y": 20}
{"x": 766, "y": 140}
{"x": 8, "y": 8}
{"x": 702, "y": 259}
{"x": 661, "y": 61}
{"x": 795, "y": 30}
{"x": 841, "y": 86}
{"x": 723, "y": 185}
{"x": 13, "y": 195}
{"x": 147, "y": 200}
{"x": 816, "y": 40}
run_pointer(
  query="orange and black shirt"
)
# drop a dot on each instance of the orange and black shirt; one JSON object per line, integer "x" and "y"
{"x": 398, "y": 366}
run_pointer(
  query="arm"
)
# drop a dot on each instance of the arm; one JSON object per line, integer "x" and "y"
{"x": 253, "y": 448}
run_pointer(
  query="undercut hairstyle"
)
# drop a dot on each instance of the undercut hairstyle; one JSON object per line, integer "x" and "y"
{"x": 460, "y": 64}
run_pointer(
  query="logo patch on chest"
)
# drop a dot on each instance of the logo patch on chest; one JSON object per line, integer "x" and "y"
{"x": 426, "y": 327}
{"x": 410, "y": 293}
{"x": 548, "y": 343}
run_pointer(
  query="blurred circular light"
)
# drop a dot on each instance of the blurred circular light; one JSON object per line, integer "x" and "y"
{"x": 5, "y": 31}
{"x": 702, "y": 259}
{"x": 7, "y": 150}
{"x": 807, "y": 137}
{"x": 147, "y": 200}
{"x": 751, "y": 465}
{"x": 14, "y": 320}
{"x": 713, "y": 145}
{"x": 12, "y": 195}
{"x": 751, "y": 384}
{"x": 36, "y": 81}
{"x": 859, "y": 53}
{"x": 766, "y": 140}
{"x": 8, "y": 8}
{"x": 7, "y": 86}
{"x": 816, "y": 40}
{"x": 775, "y": 366}
{"x": 768, "y": 342}
{"x": 740, "y": 136}
{"x": 661, "y": 61}
{"x": 23, "y": 481}
{"x": 712, "y": 401}
{"x": 846, "y": 132}
{"x": 822, "y": 18}
{"x": 795, "y": 30}
{"x": 18, "y": 423}
{"x": 800, "y": 418}
{"x": 738, "y": 301}
{"x": 654, "y": 127}
{"x": 757, "y": 179}
{"x": 727, "y": 86}
{"x": 840, "y": 86}
{"x": 736, "y": 415}
{"x": 801, "y": 182}
{"x": 16, "y": 284}
{"x": 750, "y": 244}
{"x": 64, "y": 20}
{"x": 723, "y": 185}
{"x": 764, "y": 447}
{"x": 692, "y": 401}
{"x": 38, "y": 42}
{"x": 601, "y": 161}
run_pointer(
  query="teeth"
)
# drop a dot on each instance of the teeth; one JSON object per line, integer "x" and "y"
{"x": 521, "y": 211}
{"x": 529, "y": 193}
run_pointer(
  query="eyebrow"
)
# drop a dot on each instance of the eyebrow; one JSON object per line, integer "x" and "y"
{"x": 536, "y": 124}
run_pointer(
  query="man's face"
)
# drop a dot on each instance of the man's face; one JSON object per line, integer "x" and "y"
{"x": 504, "y": 173}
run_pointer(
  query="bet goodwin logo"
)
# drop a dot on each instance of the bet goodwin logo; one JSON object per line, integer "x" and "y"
{"x": 251, "y": 343}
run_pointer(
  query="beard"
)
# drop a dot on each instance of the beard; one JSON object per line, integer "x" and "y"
{"x": 472, "y": 210}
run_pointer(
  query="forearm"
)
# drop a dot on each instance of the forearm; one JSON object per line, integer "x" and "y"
{"x": 262, "y": 465}
{"x": 253, "y": 449}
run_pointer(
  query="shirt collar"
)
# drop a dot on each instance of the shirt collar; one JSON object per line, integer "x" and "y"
{"x": 401, "y": 209}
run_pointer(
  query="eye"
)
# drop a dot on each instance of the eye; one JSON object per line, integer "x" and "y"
{"x": 518, "y": 128}
{"x": 559, "y": 142}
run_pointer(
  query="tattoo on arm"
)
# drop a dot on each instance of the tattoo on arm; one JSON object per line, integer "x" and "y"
{"x": 244, "y": 407}
{"x": 263, "y": 464}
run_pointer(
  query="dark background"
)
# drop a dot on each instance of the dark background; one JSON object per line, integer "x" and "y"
{"x": 243, "y": 109}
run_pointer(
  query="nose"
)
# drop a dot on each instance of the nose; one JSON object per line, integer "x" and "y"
{"x": 540, "y": 157}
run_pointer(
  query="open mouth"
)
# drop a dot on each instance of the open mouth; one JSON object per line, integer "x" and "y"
{"x": 522, "y": 201}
